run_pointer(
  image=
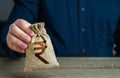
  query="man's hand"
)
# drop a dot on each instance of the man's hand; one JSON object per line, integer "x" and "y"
{"x": 19, "y": 35}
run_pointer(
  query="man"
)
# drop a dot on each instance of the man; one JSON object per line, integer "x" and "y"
{"x": 76, "y": 27}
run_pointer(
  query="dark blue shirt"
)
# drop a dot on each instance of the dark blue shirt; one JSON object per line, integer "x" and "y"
{"x": 76, "y": 27}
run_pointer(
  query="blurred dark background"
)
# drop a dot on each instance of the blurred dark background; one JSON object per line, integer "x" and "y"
{"x": 5, "y": 9}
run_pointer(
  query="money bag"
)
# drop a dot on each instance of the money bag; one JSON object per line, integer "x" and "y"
{"x": 40, "y": 53}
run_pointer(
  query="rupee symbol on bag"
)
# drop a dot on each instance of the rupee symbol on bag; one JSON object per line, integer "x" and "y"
{"x": 42, "y": 50}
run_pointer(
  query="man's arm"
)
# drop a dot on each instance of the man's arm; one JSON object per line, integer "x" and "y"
{"x": 117, "y": 39}
{"x": 23, "y": 9}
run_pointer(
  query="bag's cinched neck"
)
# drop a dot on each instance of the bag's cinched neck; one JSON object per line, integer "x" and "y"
{"x": 38, "y": 27}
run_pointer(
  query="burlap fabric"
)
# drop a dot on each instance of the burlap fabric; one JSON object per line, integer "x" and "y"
{"x": 40, "y": 52}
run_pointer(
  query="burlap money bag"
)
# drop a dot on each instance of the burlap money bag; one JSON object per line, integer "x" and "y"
{"x": 40, "y": 52}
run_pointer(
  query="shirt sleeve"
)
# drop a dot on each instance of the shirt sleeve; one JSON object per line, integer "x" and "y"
{"x": 117, "y": 40}
{"x": 22, "y": 9}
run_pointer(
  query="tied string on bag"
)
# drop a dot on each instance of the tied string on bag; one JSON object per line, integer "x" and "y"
{"x": 38, "y": 28}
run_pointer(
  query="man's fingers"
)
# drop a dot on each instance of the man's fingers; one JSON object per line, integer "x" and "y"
{"x": 25, "y": 26}
{"x": 16, "y": 31}
{"x": 44, "y": 30}
{"x": 19, "y": 35}
{"x": 16, "y": 44}
{"x": 17, "y": 49}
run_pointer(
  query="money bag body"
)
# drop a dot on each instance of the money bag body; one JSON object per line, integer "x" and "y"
{"x": 40, "y": 53}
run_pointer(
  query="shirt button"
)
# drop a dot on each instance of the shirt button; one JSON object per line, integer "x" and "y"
{"x": 82, "y": 9}
{"x": 83, "y": 29}
{"x": 83, "y": 50}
